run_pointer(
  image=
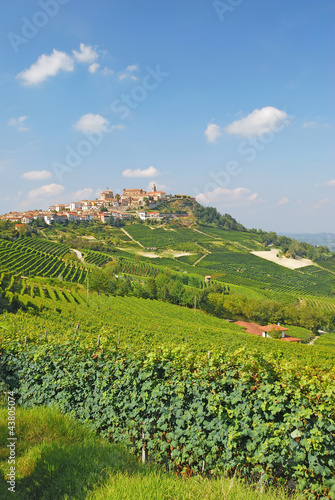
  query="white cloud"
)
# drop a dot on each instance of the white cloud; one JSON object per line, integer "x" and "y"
{"x": 330, "y": 183}
{"x": 258, "y": 122}
{"x": 132, "y": 67}
{"x": 46, "y": 191}
{"x": 46, "y": 66}
{"x": 322, "y": 203}
{"x": 146, "y": 172}
{"x": 36, "y": 175}
{"x": 87, "y": 54}
{"x": 241, "y": 197}
{"x": 117, "y": 127}
{"x": 107, "y": 71}
{"x": 82, "y": 194}
{"x": 212, "y": 132}
{"x": 18, "y": 123}
{"x": 91, "y": 123}
{"x": 314, "y": 125}
{"x": 127, "y": 73}
{"x": 309, "y": 124}
{"x": 93, "y": 68}
{"x": 283, "y": 201}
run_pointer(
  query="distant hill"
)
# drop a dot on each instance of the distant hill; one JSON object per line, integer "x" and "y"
{"x": 320, "y": 239}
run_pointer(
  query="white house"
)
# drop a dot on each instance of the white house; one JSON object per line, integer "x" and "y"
{"x": 49, "y": 219}
{"x": 75, "y": 205}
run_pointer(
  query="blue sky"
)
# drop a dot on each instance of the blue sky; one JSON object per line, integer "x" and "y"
{"x": 227, "y": 100}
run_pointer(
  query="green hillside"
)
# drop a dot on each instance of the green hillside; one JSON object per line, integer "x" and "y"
{"x": 126, "y": 334}
{"x": 201, "y": 244}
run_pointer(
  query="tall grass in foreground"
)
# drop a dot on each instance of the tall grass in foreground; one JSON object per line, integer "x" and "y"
{"x": 58, "y": 458}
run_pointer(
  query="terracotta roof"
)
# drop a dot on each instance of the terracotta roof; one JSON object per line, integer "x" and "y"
{"x": 256, "y": 329}
{"x": 268, "y": 328}
{"x": 252, "y": 328}
{"x": 291, "y": 339}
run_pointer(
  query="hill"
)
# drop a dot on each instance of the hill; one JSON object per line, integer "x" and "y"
{"x": 130, "y": 329}
{"x": 184, "y": 250}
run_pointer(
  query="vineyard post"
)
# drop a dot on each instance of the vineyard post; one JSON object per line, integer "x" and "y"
{"x": 98, "y": 341}
{"x": 88, "y": 286}
{"x": 195, "y": 303}
{"x": 119, "y": 339}
{"x": 144, "y": 450}
{"x": 25, "y": 341}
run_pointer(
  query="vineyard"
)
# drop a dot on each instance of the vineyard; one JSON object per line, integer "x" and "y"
{"x": 246, "y": 269}
{"x": 62, "y": 306}
{"x": 195, "y": 391}
{"x": 42, "y": 245}
{"x": 205, "y": 395}
{"x": 25, "y": 259}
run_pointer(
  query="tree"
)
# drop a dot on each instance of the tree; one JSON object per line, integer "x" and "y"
{"x": 151, "y": 288}
{"x": 99, "y": 281}
{"x": 275, "y": 334}
{"x": 311, "y": 318}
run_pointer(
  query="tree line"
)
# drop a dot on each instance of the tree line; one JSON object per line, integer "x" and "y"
{"x": 217, "y": 299}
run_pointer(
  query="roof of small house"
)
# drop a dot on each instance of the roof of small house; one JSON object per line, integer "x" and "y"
{"x": 252, "y": 328}
{"x": 256, "y": 329}
{"x": 291, "y": 339}
{"x": 268, "y": 328}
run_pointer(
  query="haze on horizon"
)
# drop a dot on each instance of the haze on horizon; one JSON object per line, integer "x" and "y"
{"x": 230, "y": 102}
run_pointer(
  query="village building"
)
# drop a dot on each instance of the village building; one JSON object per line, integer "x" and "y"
{"x": 107, "y": 195}
{"x": 133, "y": 197}
{"x": 57, "y": 208}
{"x": 75, "y": 205}
{"x": 150, "y": 215}
{"x": 156, "y": 195}
{"x": 21, "y": 228}
{"x": 134, "y": 192}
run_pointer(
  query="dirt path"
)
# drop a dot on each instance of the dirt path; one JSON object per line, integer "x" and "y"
{"x": 207, "y": 252}
{"x": 129, "y": 236}
{"x": 78, "y": 254}
{"x": 210, "y": 236}
{"x": 202, "y": 257}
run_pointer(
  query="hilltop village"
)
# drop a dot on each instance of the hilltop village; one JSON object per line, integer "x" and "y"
{"x": 133, "y": 202}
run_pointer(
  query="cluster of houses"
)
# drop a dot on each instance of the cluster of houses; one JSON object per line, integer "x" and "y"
{"x": 118, "y": 207}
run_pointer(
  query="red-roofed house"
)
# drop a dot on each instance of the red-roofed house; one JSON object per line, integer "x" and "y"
{"x": 263, "y": 331}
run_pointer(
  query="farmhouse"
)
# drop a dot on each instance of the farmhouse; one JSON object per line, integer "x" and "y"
{"x": 265, "y": 331}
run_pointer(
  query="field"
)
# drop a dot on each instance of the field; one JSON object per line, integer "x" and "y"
{"x": 290, "y": 263}
{"x": 203, "y": 397}
{"x": 40, "y": 259}
{"x": 200, "y": 389}
{"x": 58, "y": 458}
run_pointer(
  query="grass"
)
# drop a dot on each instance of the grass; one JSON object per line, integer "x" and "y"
{"x": 58, "y": 458}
